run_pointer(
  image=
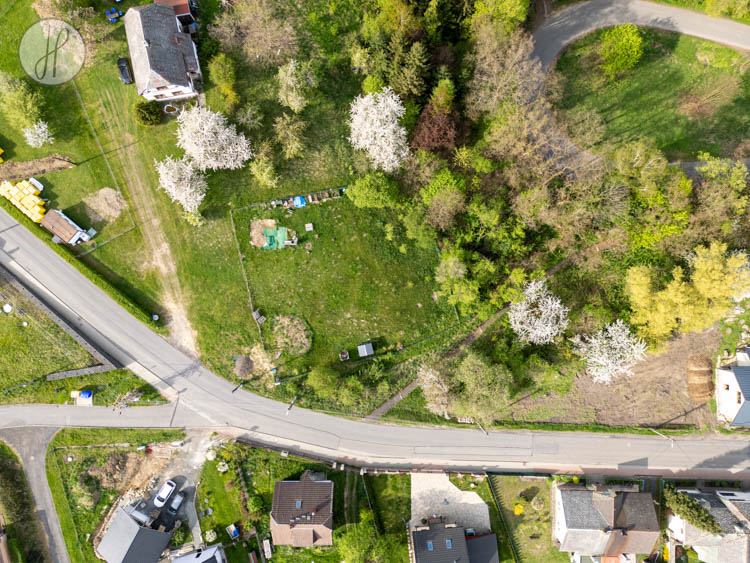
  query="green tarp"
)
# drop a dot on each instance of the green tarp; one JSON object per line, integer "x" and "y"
{"x": 275, "y": 238}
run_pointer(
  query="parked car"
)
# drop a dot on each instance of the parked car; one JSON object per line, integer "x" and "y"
{"x": 124, "y": 68}
{"x": 164, "y": 493}
{"x": 177, "y": 503}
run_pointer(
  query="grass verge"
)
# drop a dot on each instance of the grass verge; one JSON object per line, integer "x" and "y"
{"x": 687, "y": 94}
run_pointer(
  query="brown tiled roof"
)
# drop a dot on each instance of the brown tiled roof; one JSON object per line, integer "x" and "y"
{"x": 180, "y": 6}
{"x": 302, "y": 511}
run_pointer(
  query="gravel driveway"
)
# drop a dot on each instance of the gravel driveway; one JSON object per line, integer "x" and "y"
{"x": 429, "y": 493}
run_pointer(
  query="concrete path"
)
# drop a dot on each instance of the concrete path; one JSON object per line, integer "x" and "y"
{"x": 434, "y": 495}
{"x": 30, "y": 443}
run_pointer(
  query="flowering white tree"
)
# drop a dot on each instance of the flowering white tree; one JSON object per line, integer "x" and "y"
{"x": 38, "y": 134}
{"x": 375, "y": 128}
{"x": 295, "y": 82}
{"x": 611, "y": 351}
{"x": 182, "y": 181}
{"x": 210, "y": 141}
{"x": 540, "y": 317}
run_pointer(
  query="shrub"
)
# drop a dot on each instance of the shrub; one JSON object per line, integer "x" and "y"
{"x": 690, "y": 510}
{"x": 372, "y": 84}
{"x": 621, "y": 48}
{"x": 374, "y": 190}
{"x": 148, "y": 112}
{"x": 254, "y": 504}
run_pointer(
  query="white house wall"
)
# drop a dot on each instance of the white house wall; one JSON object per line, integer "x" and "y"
{"x": 726, "y": 395}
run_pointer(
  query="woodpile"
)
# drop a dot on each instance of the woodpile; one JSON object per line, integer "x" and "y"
{"x": 699, "y": 371}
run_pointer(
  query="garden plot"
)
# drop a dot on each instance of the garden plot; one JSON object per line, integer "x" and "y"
{"x": 344, "y": 280}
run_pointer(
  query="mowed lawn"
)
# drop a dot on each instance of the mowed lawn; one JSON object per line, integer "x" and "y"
{"x": 351, "y": 286}
{"x": 687, "y": 94}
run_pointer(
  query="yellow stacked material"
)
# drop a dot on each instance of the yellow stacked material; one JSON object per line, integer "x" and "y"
{"x": 25, "y": 196}
{"x": 1, "y": 152}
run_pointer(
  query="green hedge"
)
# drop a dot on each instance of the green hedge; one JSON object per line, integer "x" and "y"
{"x": 690, "y": 510}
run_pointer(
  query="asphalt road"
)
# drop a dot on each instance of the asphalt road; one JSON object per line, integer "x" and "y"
{"x": 31, "y": 446}
{"x": 205, "y": 400}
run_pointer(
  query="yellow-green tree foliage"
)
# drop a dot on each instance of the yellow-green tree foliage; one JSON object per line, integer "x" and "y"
{"x": 687, "y": 305}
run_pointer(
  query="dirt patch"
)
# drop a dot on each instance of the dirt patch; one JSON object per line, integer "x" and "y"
{"x": 243, "y": 367}
{"x": 707, "y": 98}
{"x": 13, "y": 170}
{"x": 144, "y": 201}
{"x": 128, "y": 470}
{"x": 105, "y": 205}
{"x": 292, "y": 335}
{"x": 656, "y": 393}
{"x": 743, "y": 150}
{"x": 257, "y": 238}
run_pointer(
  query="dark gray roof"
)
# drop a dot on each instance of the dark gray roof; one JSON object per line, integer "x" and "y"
{"x": 742, "y": 373}
{"x": 483, "y": 549}
{"x": 126, "y": 541}
{"x": 743, "y": 507}
{"x": 438, "y": 536}
{"x": 636, "y": 512}
{"x": 310, "y": 500}
{"x": 212, "y": 554}
{"x": 579, "y": 509}
{"x": 717, "y": 509}
{"x": 160, "y": 53}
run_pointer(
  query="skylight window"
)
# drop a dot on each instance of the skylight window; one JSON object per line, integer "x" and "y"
{"x": 448, "y": 543}
{"x": 429, "y": 545}
{"x": 298, "y": 504}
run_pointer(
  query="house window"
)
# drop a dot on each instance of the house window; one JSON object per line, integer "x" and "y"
{"x": 726, "y": 387}
{"x": 429, "y": 545}
{"x": 448, "y": 544}
{"x": 739, "y": 397}
{"x": 159, "y": 96}
{"x": 163, "y": 88}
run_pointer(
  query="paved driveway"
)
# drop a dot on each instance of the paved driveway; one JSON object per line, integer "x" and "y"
{"x": 433, "y": 494}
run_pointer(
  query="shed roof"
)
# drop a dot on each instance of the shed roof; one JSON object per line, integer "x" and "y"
{"x": 365, "y": 349}
{"x": 160, "y": 53}
{"x": 483, "y": 549}
{"x": 742, "y": 374}
{"x": 212, "y": 554}
{"x": 126, "y": 541}
{"x": 57, "y": 223}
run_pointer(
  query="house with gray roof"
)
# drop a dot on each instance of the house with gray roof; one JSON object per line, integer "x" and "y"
{"x": 164, "y": 58}
{"x": 441, "y": 542}
{"x": 733, "y": 390}
{"x": 604, "y": 522}
{"x": 127, "y": 541}
{"x": 731, "y": 510}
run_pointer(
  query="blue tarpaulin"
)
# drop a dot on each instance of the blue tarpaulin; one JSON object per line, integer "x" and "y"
{"x": 299, "y": 201}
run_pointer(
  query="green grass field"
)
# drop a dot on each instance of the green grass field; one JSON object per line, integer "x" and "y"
{"x": 40, "y": 348}
{"x": 33, "y": 351}
{"x": 391, "y": 499}
{"x": 687, "y": 94}
{"x": 350, "y": 287}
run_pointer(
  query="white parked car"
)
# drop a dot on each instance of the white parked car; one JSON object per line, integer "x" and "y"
{"x": 164, "y": 493}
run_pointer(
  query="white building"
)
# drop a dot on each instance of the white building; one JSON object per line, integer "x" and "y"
{"x": 164, "y": 58}
{"x": 730, "y": 509}
{"x": 733, "y": 389}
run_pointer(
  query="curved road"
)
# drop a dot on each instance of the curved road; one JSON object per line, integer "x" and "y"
{"x": 202, "y": 399}
{"x": 565, "y": 26}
